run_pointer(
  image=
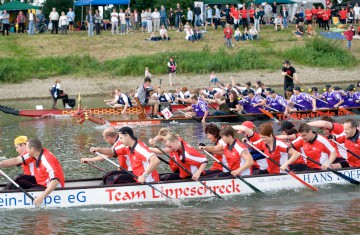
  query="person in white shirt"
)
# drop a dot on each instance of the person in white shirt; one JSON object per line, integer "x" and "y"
{"x": 357, "y": 13}
{"x": 114, "y": 22}
{"x": 163, "y": 33}
{"x": 156, "y": 20}
{"x": 31, "y": 20}
{"x": 122, "y": 22}
{"x": 54, "y": 19}
{"x": 149, "y": 21}
{"x": 63, "y": 23}
{"x": 119, "y": 100}
{"x": 254, "y": 33}
{"x": 190, "y": 35}
{"x": 190, "y": 16}
{"x": 237, "y": 34}
{"x": 278, "y": 22}
{"x": 143, "y": 20}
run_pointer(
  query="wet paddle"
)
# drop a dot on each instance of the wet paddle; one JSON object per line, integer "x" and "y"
{"x": 347, "y": 178}
{"x": 347, "y": 150}
{"x": 130, "y": 173}
{"x": 187, "y": 115}
{"x": 187, "y": 171}
{"x": 287, "y": 171}
{"x": 237, "y": 176}
{"x": 95, "y": 166}
{"x": 16, "y": 185}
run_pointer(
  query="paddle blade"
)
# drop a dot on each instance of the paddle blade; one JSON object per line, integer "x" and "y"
{"x": 347, "y": 178}
{"x": 301, "y": 181}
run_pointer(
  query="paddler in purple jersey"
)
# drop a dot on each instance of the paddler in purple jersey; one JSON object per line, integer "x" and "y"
{"x": 198, "y": 108}
{"x": 352, "y": 98}
{"x": 251, "y": 103}
{"x": 300, "y": 101}
{"x": 274, "y": 102}
{"x": 332, "y": 97}
{"x": 314, "y": 92}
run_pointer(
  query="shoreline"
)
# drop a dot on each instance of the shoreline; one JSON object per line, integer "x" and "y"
{"x": 97, "y": 86}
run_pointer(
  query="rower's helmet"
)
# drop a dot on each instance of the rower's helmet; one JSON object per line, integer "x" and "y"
{"x": 251, "y": 91}
{"x": 272, "y": 92}
{"x": 287, "y": 126}
{"x": 268, "y": 89}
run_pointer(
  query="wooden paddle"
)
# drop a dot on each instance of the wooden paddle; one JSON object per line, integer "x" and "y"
{"x": 95, "y": 166}
{"x": 347, "y": 178}
{"x": 128, "y": 172}
{"x": 185, "y": 114}
{"x": 187, "y": 171}
{"x": 346, "y": 149}
{"x": 287, "y": 171}
{"x": 16, "y": 185}
{"x": 237, "y": 176}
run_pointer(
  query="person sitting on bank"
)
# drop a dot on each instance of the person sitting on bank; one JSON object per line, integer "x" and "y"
{"x": 254, "y": 33}
{"x": 57, "y": 93}
{"x": 120, "y": 100}
{"x": 299, "y": 32}
{"x": 163, "y": 33}
{"x": 237, "y": 35}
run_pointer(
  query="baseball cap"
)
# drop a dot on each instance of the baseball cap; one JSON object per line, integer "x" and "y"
{"x": 337, "y": 88}
{"x": 22, "y": 139}
{"x": 268, "y": 89}
{"x": 272, "y": 92}
{"x": 251, "y": 91}
{"x": 129, "y": 131}
{"x": 297, "y": 88}
{"x": 287, "y": 62}
{"x": 248, "y": 124}
{"x": 327, "y": 86}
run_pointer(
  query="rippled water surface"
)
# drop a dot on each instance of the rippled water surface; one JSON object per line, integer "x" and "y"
{"x": 334, "y": 209}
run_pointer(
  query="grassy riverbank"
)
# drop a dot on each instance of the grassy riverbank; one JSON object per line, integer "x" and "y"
{"x": 24, "y": 57}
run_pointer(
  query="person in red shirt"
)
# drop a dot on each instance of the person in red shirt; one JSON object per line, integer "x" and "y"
{"x": 275, "y": 149}
{"x": 244, "y": 20}
{"x": 351, "y": 140}
{"x": 343, "y": 15}
{"x": 251, "y": 15}
{"x": 235, "y": 15}
{"x": 308, "y": 16}
{"x": 228, "y": 32}
{"x": 314, "y": 146}
{"x": 143, "y": 161}
{"x": 186, "y": 156}
{"x": 48, "y": 171}
{"x": 319, "y": 14}
{"x": 314, "y": 15}
{"x": 326, "y": 17}
{"x": 349, "y": 37}
{"x": 118, "y": 150}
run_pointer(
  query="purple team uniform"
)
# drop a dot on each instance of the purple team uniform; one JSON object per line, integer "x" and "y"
{"x": 200, "y": 108}
{"x": 247, "y": 104}
{"x": 350, "y": 99}
{"x": 302, "y": 101}
{"x": 279, "y": 103}
{"x": 319, "y": 104}
{"x": 332, "y": 98}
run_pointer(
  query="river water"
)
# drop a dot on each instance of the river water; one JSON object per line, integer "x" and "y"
{"x": 334, "y": 209}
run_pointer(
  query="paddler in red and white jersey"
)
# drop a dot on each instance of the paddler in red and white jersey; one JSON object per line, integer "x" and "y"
{"x": 48, "y": 171}
{"x": 260, "y": 163}
{"x": 351, "y": 139}
{"x": 186, "y": 156}
{"x": 314, "y": 146}
{"x": 272, "y": 147}
{"x": 118, "y": 150}
{"x": 161, "y": 138}
{"x": 143, "y": 161}
{"x": 23, "y": 157}
{"x": 237, "y": 156}
{"x": 330, "y": 128}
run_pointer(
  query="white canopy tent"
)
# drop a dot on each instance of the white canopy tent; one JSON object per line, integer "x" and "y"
{"x": 301, "y": 3}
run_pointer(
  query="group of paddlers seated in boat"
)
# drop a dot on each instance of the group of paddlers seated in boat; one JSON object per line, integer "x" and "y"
{"x": 294, "y": 149}
{"x": 233, "y": 98}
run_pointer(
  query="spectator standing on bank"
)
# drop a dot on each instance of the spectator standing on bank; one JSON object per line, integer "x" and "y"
{"x": 349, "y": 37}
{"x": 114, "y": 22}
{"x": 31, "y": 20}
{"x": 122, "y": 19}
{"x": 98, "y": 20}
{"x": 63, "y": 23}
{"x": 71, "y": 19}
{"x": 156, "y": 19}
{"x": 284, "y": 15}
{"x": 21, "y": 19}
{"x": 163, "y": 17}
{"x": 149, "y": 21}
{"x": 274, "y": 9}
{"x": 143, "y": 20}
{"x": 216, "y": 16}
{"x": 90, "y": 20}
{"x": 40, "y": 19}
{"x": 171, "y": 15}
{"x": 190, "y": 16}
{"x": 178, "y": 16}
{"x": 197, "y": 13}
{"x": 136, "y": 16}
{"x": 54, "y": 19}
{"x": 6, "y": 23}
{"x": 172, "y": 71}
{"x": 228, "y": 32}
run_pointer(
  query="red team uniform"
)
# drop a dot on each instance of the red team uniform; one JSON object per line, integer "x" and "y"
{"x": 233, "y": 156}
